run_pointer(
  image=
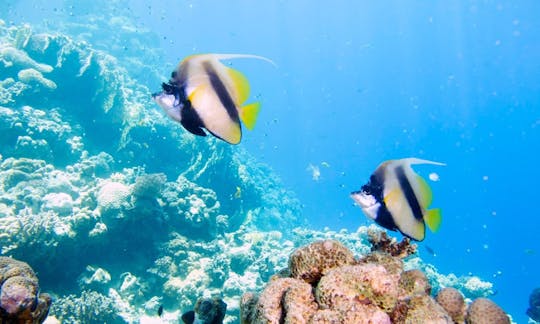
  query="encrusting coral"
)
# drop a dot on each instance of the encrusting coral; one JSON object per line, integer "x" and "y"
{"x": 312, "y": 261}
{"x": 20, "y": 300}
{"x": 328, "y": 285}
{"x": 484, "y": 311}
{"x": 453, "y": 302}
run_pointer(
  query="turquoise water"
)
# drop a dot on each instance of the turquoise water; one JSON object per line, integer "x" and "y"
{"x": 357, "y": 83}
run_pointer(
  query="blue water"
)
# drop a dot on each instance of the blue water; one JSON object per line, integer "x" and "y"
{"x": 360, "y": 82}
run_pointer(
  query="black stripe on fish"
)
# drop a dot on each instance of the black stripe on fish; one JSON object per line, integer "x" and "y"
{"x": 375, "y": 187}
{"x": 409, "y": 193}
{"x": 221, "y": 92}
{"x": 385, "y": 218}
{"x": 191, "y": 120}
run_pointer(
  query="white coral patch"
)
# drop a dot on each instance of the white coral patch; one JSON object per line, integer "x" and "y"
{"x": 113, "y": 195}
{"x": 61, "y": 203}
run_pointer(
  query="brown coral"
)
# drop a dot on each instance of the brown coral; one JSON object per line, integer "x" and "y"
{"x": 453, "y": 302}
{"x": 414, "y": 282}
{"x": 19, "y": 298}
{"x": 351, "y": 312}
{"x": 361, "y": 284}
{"x": 372, "y": 290}
{"x": 247, "y": 307}
{"x": 391, "y": 264}
{"x": 484, "y": 311}
{"x": 311, "y": 262}
{"x": 420, "y": 309}
{"x": 285, "y": 299}
{"x": 381, "y": 242}
{"x": 325, "y": 316}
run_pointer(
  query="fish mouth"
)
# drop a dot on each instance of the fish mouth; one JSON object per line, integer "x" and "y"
{"x": 363, "y": 199}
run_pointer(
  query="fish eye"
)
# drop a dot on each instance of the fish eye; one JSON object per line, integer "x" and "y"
{"x": 168, "y": 88}
{"x": 173, "y": 75}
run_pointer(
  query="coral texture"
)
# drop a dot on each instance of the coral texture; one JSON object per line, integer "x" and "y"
{"x": 484, "y": 311}
{"x": 20, "y": 300}
{"x": 373, "y": 289}
{"x": 311, "y": 262}
{"x": 453, "y": 302}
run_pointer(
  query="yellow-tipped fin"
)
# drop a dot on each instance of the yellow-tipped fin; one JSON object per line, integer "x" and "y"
{"x": 241, "y": 85}
{"x": 433, "y": 219}
{"x": 249, "y": 114}
{"x": 426, "y": 196}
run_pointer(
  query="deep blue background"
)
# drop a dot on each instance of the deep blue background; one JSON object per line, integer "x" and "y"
{"x": 360, "y": 82}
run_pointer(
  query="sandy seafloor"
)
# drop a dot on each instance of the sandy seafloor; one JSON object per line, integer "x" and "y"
{"x": 112, "y": 203}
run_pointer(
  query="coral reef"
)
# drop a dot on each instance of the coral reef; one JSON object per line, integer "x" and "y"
{"x": 147, "y": 215}
{"x": 88, "y": 307}
{"x": 373, "y": 289}
{"x": 329, "y": 254}
{"x": 484, "y": 311}
{"x": 20, "y": 300}
{"x": 453, "y": 302}
{"x": 381, "y": 242}
{"x": 534, "y": 305}
{"x": 206, "y": 311}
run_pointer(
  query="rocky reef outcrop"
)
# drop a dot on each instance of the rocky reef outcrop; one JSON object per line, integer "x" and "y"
{"x": 334, "y": 287}
{"x": 20, "y": 299}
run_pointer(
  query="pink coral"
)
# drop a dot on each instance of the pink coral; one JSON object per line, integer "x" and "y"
{"x": 19, "y": 298}
{"x": 484, "y": 311}
{"x": 362, "y": 284}
{"x": 372, "y": 290}
{"x": 414, "y": 282}
{"x": 286, "y": 298}
{"x": 453, "y": 302}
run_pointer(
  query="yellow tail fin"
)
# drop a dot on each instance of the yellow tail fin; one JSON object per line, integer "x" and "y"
{"x": 433, "y": 219}
{"x": 249, "y": 114}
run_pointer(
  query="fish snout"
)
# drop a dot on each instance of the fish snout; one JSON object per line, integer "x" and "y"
{"x": 363, "y": 199}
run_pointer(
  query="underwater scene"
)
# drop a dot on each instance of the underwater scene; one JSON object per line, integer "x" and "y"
{"x": 269, "y": 161}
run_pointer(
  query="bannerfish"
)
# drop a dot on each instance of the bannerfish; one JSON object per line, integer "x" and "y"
{"x": 204, "y": 93}
{"x": 397, "y": 198}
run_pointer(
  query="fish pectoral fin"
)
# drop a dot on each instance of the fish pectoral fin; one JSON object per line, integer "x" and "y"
{"x": 249, "y": 114}
{"x": 426, "y": 195}
{"x": 241, "y": 85}
{"x": 391, "y": 198}
{"x": 199, "y": 91}
{"x": 433, "y": 219}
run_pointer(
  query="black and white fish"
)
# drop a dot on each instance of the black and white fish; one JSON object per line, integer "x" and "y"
{"x": 398, "y": 199}
{"x": 204, "y": 93}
